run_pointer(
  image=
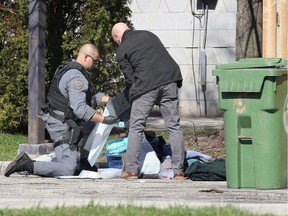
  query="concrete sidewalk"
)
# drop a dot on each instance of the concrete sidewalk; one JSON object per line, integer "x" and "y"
{"x": 157, "y": 123}
{"x": 24, "y": 192}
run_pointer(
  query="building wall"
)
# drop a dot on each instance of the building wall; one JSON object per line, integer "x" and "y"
{"x": 183, "y": 34}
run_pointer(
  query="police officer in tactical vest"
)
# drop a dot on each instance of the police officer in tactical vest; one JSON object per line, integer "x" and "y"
{"x": 70, "y": 116}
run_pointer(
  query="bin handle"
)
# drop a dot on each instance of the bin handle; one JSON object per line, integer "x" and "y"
{"x": 245, "y": 138}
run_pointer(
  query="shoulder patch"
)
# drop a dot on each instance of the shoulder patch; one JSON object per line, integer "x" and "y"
{"x": 78, "y": 83}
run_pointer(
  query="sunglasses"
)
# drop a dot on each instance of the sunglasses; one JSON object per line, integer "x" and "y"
{"x": 93, "y": 59}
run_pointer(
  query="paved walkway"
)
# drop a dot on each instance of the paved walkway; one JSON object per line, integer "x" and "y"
{"x": 157, "y": 123}
{"x": 24, "y": 192}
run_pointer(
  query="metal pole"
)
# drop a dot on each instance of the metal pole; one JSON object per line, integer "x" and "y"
{"x": 36, "y": 77}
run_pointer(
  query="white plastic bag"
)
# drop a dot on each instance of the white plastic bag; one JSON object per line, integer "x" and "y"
{"x": 151, "y": 164}
{"x": 98, "y": 138}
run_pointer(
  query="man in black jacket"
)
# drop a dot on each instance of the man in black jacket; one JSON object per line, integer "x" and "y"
{"x": 153, "y": 78}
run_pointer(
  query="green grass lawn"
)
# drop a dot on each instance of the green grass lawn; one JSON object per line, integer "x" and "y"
{"x": 9, "y": 145}
{"x": 91, "y": 210}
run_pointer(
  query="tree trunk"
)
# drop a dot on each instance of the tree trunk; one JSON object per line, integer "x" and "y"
{"x": 249, "y": 29}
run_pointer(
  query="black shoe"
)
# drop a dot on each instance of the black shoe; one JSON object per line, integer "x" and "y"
{"x": 22, "y": 163}
{"x": 85, "y": 165}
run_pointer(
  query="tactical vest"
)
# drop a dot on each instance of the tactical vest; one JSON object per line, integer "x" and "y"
{"x": 57, "y": 101}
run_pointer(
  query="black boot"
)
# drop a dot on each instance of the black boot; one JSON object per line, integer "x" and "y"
{"x": 22, "y": 163}
{"x": 85, "y": 165}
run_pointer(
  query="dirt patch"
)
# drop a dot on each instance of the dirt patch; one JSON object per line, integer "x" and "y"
{"x": 207, "y": 141}
{"x": 210, "y": 142}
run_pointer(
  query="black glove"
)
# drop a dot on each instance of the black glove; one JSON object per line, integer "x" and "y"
{"x": 110, "y": 120}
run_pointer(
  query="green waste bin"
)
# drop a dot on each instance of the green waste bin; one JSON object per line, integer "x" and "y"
{"x": 253, "y": 95}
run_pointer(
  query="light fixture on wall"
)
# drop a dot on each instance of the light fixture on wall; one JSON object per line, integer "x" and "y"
{"x": 210, "y": 3}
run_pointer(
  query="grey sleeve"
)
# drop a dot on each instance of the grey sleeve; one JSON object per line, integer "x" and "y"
{"x": 75, "y": 86}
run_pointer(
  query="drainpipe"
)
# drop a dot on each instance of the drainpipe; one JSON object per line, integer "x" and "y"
{"x": 203, "y": 60}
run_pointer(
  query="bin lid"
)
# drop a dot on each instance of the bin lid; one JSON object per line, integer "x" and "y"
{"x": 247, "y": 75}
{"x": 247, "y": 63}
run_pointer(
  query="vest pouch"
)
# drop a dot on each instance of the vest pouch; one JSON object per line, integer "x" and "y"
{"x": 69, "y": 114}
{"x": 74, "y": 132}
